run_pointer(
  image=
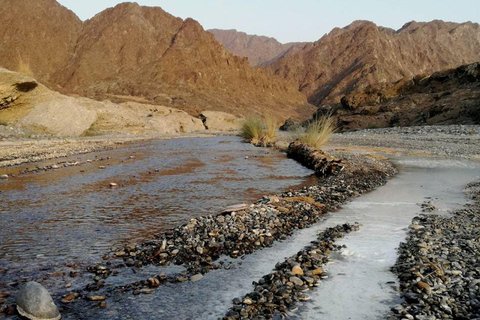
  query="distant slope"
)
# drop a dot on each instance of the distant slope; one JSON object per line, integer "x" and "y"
{"x": 445, "y": 97}
{"x": 259, "y": 50}
{"x": 142, "y": 52}
{"x": 362, "y": 54}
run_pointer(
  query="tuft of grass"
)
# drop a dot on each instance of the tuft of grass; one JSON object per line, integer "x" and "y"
{"x": 260, "y": 130}
{"x": 24, "y": 67}
{"x": 317, "y": 133}
{"x": 271, "y": 126}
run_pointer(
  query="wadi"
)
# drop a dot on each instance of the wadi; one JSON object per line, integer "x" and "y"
{"x": 160, "y": 167}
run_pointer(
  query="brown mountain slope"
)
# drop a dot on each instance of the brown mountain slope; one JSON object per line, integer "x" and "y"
{"x": 37, "y": 35}
{"x": 445, "y": 97}
{"x": 146, "y": 53}
{"x": 362, "y": 54}
{"x": 259, "y": 50}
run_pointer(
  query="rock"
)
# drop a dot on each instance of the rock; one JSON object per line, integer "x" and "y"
{"x": 296, "y": 281}
{"x": 290, "y": 125}
{"x": 113, "y": 185}
{"x": 96, "y": 298}
{"x": 220, "y": 121}
{"x": 196, "y": 277}
{"x": 3, "y": 176}
{"x": 34, "y": 302}
{"x": 235, "y": 208}
{"x": 297, "y": 271}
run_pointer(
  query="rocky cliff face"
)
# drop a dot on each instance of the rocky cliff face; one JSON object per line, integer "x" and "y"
{"x": 259, "y": 50}
{"x": 362, "y": 54}
{"x": 445, "y": 97}
{"x": 141, "y": 52}
{"x": 37, "y": 37}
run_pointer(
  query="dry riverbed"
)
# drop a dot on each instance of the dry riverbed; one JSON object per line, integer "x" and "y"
{"x": 453, "y": 141}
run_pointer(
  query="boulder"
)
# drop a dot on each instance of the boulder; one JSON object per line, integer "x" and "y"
{"x": 220, "y": 121}
{"x": 35, "y": 303}
{"x": 290, "y": 125}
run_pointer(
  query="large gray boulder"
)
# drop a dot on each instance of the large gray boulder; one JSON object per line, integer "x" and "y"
{"x": 34, "y": 302}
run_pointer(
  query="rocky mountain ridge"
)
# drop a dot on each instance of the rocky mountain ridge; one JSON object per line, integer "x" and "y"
{"x": 260, "y": 50}
{"x": 141, "y": 53}
{"x": 362, "y": 54}
{"x": 442, "y": 98}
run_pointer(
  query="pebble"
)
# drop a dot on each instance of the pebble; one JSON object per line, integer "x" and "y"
{"x": 438, "y": 265}
{"x": 196, "y": 277}
{"x": 278, "y": 291}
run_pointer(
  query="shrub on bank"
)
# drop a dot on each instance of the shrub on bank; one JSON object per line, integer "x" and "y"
{"x": 317, "y": 133}
{"x": 260, "y": 130}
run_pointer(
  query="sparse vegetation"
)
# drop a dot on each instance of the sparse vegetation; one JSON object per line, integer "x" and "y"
{"x": 317, "y": 133}
{"x": 260, "y": 130}
{"x": 24, "y": 67}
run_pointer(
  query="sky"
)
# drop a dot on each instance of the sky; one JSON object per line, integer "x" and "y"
{"x": 297, "y": 20}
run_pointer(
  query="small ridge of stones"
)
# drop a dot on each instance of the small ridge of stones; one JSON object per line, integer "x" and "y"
{"x": 428, "y": 206}
{"x": 439, "y": 265}
{"x": 198, "y": 244}
{"x": 280, "y": 292}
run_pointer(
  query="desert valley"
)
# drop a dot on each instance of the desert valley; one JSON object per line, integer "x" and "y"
{"x": 154, "y": 169}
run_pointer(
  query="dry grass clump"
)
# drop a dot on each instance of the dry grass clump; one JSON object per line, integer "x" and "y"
{"x": 317, "y": 133}
{"x": 260, "y": 130}
{"x": 24, "y": 67}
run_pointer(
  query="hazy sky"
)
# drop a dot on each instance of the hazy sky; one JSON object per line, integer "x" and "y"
{"x": 297, "y": 20}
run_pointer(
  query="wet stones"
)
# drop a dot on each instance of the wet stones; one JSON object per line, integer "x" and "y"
{"x": 438, "y": 266}
{"x": 282, "y": 291}
{"x": 242, "y": 230}
{"x": 35, "y": 303}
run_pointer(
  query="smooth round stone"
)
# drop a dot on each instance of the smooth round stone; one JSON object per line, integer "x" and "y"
{"x": 3, "y": 176}
{"x": 35, "y": 303}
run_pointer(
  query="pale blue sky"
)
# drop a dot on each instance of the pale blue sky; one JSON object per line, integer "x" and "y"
{"x": 297, "y": 20}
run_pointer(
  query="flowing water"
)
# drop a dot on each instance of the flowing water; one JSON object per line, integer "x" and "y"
{"x": 71, "y": 215}
{"x": 360, "y": 284}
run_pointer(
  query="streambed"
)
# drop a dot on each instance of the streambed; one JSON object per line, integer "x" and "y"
{"x": 360, "y": 285}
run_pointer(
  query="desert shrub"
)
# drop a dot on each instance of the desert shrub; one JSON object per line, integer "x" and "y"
{"x": 317, "y": 133}
{"x": 260, "y": 131}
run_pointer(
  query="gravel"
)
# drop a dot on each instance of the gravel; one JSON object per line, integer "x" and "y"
{"x": 439, "y": 265}
{"x": 199, "y": 244}
{"x": 456, "y": 141}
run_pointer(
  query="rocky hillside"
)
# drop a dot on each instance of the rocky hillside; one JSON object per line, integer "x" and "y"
{"x": 362, "y": 54}
{"x": 446, "y": 97}
{"x": 138, "y": 53}
{"x": 32, "y": 108}
{"x": 259, "y": 50}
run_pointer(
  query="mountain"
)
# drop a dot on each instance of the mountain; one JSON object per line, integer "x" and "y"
{"x": 140, "y": 53}
{"x": 363, "y": 54}
{"x": 259, "y": 50}
{"x": 445, "y": 97}
{"x": 37, "y": 36}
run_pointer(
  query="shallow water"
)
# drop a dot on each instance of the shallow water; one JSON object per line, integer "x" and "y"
{"x": 359, "y": 284}
{"x": 67, "y": 216}
{"x": 360, "y": 281}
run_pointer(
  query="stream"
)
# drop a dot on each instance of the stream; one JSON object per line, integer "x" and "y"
{"x": 197, "y": 177}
